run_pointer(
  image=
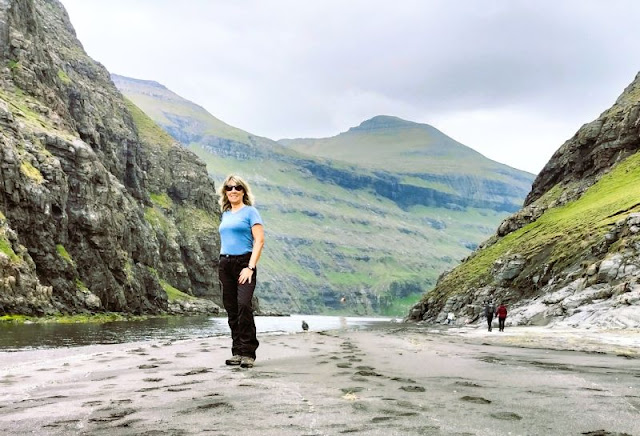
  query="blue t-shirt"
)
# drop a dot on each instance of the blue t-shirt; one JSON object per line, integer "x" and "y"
{"x": 235, "y": 230}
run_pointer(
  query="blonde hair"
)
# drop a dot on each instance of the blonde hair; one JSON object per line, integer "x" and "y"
{"x": 247, "y": 198}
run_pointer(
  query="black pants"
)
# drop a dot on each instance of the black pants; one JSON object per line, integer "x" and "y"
{"x": 501, "y": 323}
{"x": 489, "y": 321}
{"x": 236, "y": 299}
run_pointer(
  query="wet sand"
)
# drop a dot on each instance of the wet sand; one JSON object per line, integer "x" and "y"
{"x": 396, "y": 379}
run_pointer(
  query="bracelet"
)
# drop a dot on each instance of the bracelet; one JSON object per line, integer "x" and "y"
{"x": 251, "y": 268}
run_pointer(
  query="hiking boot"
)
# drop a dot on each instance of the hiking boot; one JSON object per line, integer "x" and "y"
{"x": 235, "y": 360}
{"x": 247, "y": 362}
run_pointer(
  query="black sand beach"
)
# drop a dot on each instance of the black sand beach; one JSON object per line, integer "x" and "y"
{"x": 394, "y": 380}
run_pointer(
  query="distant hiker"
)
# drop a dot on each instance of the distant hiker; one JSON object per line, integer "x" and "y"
{"x": 305, "y": 326}
{"x": 451, "y": 318}
{"x": 489, "y": 310}
{"x": 501, "y": 313}
{"x": 241, "y": 242}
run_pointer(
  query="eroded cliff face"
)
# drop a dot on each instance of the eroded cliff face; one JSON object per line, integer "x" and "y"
{"x": 97, "y": 211}
{"x": 571, "y": 256}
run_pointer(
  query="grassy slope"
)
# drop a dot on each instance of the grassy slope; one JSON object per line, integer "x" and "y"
{"x": 355, "y": 238}
{"x": 320, "y": 235}
{"x": 565, "y": 234}
{"x": 159, "y": 101}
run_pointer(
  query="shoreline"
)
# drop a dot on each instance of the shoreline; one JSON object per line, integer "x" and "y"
{"x": 396, "y": 378}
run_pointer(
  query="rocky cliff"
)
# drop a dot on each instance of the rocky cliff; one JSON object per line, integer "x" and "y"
{"x": 99, "y": 209}
{"x": 571, "y": 256}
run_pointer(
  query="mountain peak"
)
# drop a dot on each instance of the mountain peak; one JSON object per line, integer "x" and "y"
{"x": 382, "y": 122}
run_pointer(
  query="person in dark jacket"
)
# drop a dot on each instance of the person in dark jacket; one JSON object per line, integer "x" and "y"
{"x": 501, "y": 313}
{"x": 489, "y": 309}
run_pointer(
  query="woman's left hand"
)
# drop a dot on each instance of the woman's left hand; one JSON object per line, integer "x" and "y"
{"x": 245, "y": 275}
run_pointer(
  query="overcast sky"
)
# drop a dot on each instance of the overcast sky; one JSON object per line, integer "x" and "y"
{"x": 512, "y": 79}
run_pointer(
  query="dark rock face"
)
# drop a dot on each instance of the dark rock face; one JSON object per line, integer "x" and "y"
{"x": 81, "y": 224}
{"x": 595, "y": 148}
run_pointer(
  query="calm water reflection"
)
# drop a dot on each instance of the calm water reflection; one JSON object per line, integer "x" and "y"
{"x": 31, "y": 336}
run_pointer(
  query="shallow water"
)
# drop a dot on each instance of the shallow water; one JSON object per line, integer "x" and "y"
{"x": 37, "y": 336}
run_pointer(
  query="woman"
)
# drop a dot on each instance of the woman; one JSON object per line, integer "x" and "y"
{"x": 241, "y": 242}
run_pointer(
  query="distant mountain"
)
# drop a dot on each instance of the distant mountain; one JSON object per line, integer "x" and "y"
{"x": 393, "y": 144}
{"x": 423, "y": 157}
{"x": 571, "y": 256}
{"x": 376, "y": 236}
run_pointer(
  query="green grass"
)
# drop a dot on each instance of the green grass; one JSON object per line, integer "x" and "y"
{"x": 148, "y": 131}
{"x": 13, "y": 64}
{"x": 563, "y": 235}
{"x": 81, "y": 286}
{"x": 31, "y": 172}
{"x": 64, "y": 78}
{"x": 174, "y": 294}
{"x": 158, "y": 221}
{"x": 62, "y": 252}
{"x": 194, "y": 221}
{"x": 19, "y": 103}
{"x": 161, "y": 200}
{"x": 5, "y": 247}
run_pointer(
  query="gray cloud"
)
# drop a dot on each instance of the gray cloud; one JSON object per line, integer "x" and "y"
{"x": 288, "y": 68}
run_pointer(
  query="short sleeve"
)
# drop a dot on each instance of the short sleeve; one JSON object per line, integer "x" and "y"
{"x": 254, "y": 217}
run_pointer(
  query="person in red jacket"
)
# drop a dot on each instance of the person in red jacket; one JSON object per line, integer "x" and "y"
{"x": 501, "y": 313}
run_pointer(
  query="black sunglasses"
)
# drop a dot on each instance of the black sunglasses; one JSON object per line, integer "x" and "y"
{"x": 238, "y": 188}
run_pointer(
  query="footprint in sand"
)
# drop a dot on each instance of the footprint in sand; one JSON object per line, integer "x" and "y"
{"x": 194, "y": 372}
{"x": 413, "y": 388}
{"x": 109, "y": 414}
{"x": 507, "y": 416}
{"x": 368, "y": 373}
{"x": 476, "y": 400}
{"x": 107, "y": 377}
{"x": 352, "y": 390}
{"x": 403, "y": 380}
{"x": 218, "y": 406}
{"x": 467, "y": 384}
{"x": 382, "y": 418}
{"x": 65, "y": 423}
{"x": 147, "y": 366}
{"x": 92, "y": 403}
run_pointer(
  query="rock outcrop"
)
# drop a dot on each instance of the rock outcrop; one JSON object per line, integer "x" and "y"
{"x": 571, "y": 256}
{"x": 98, "y": 210}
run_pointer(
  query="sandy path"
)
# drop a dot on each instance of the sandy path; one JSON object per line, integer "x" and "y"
{"x": 396, "y": 380}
